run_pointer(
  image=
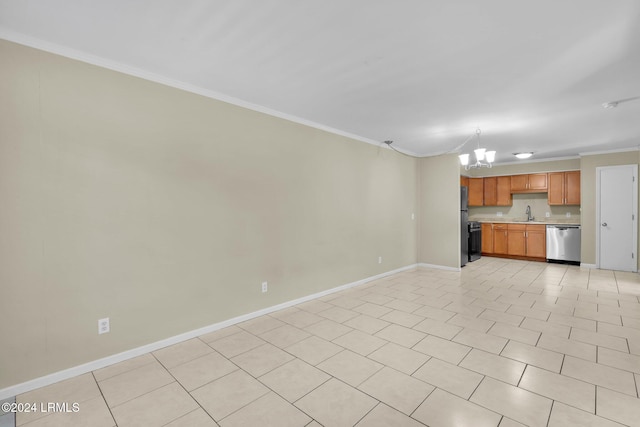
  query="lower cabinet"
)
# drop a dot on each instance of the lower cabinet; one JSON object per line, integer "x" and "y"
{"x": 487, "y": 238}
{"x": 514, "y": 240}
{"x": 536, "y": 241}
{"x": 500, "y": 239}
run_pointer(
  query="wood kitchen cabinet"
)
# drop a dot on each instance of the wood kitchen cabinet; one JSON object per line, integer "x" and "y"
{"x": 564, "y": 188}
{"x": 538, "y": 181}
{"x": 519, "y": 182}
{"x": 536, "y": 235}
{"x": 529, "y": 183}
{"x": 464, "y": 181}
{"x": 490, "y": 191}
{"x": 572, "y": 187}
{"x": 487, "y": 237}
{"x": 500, "y": 239}
{"x": 516, "y": 239}
{"x": 503, "y": 191}
{"x": 476, "y": 192}
{"x": 497, "y": 191}
{"x": 528, "y": 240}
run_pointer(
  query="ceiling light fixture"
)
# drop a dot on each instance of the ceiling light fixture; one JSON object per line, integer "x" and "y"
{"x": 523, "y": 155}
{"x": 484, "y": 158}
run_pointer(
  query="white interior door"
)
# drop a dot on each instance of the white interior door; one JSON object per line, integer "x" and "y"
{"x": 617, "y": 217}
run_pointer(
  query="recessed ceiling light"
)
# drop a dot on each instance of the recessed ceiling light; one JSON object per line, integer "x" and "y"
{"x": 523, "y": 155}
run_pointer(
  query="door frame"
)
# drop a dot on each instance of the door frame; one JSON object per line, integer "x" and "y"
{"x": 634, "y": 206}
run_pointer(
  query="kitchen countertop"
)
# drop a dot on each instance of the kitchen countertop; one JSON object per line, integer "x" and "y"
{"x": 550, "y": 221}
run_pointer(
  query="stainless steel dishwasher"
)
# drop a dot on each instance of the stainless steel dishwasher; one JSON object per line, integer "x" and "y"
{"x": 563, "y": 243}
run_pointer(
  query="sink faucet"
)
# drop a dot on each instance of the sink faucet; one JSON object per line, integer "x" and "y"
{"x": 528, "y": 212}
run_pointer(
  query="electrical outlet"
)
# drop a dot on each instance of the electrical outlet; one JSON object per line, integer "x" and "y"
{"x": 103, "y": 326}
{"x": 568, "y": 214}
{"x": 413, "y": 216}
{"x": 265, "y": 286}
{"x": 547, "y": 214}
{"x": 499, "y": 214}
{"x": 379, "y": 260}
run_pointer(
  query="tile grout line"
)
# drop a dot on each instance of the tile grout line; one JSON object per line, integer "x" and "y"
{"x": 369, "y": 411}
{"x": 184, "y": 415}
{"x": 185, "y": 390}
{"x": 526, "y": 366}
{"x": 257, "y": 379}
{"x": 476, "y": 388}
{"x": 295, "y": 358}
{"x": 104, "y": 399}
{"x": 348, "y": 385}
{"x": 422, "y": 403}
{"x": 449, "y": 293}
{"x": 553, "y": 403}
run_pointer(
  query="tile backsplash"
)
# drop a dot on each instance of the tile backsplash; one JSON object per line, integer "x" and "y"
{"x": 539, "y": 207}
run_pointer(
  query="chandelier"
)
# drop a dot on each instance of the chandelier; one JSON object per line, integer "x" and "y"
{"x": 484, "y": 158}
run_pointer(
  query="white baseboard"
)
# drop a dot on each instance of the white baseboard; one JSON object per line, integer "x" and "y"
{"x": 439, "y": 267}
{"x": 582, "y": 264}
{"x": 138, "y": 351}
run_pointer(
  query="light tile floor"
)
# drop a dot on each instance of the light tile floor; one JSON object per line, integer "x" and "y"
{"x": 502, "y": 343}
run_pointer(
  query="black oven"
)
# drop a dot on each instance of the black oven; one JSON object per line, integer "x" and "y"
{"x": 475, "y": 240}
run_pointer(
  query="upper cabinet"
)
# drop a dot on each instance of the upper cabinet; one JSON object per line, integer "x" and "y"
{"x": 538, "y": 181}
{"x": 529, "y": 183}
{"x": 503, "y": 191}
{"x": 476, "y": 192}
{"x": 564, "y": 188}
{"x": 490, "y": 191}
{"x": 572, "y": 188}
{"x": 497, "y": 191}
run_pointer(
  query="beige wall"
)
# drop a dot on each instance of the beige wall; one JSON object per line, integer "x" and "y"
{"x": 588, "y": 189}
{"x": 165, "y": 210}
{"x": 439, "y": 200}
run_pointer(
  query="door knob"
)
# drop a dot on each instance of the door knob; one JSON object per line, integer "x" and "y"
{"x": 604, "y": 224}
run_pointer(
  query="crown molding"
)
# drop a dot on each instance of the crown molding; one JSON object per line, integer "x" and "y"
{"x": 550, "y": 159}
{"x": 619, "y": 150}
{"x": 67, "y": 52}
{"x": 579, "y": 156}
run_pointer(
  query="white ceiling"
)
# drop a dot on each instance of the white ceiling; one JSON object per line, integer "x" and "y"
{"x": 532, "y": 75}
